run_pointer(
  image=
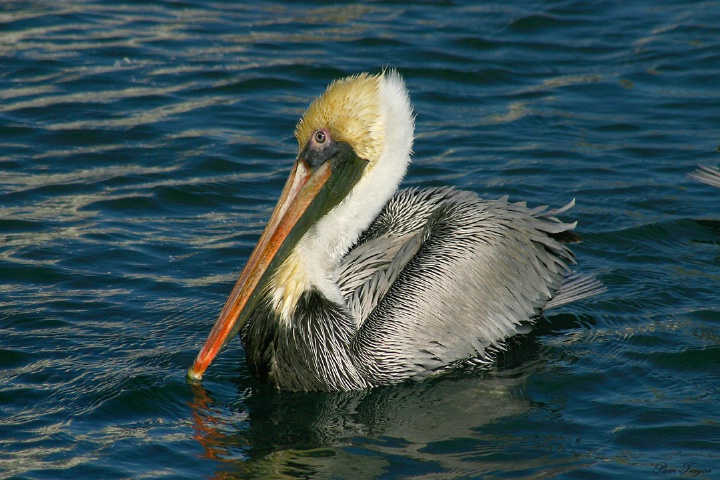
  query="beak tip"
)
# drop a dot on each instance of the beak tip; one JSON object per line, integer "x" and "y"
{"x": 195, "y": 375}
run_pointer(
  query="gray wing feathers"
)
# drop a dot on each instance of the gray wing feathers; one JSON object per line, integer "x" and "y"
{"x": 575, "y": 286}
{"x": 708, "y": 175}
{"x": 367, "y": 273}
{"x": 466, "y": 274}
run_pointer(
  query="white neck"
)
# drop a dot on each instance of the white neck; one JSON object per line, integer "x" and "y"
{"x": 325, "y": 244}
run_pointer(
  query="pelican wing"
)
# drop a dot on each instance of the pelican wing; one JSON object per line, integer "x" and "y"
{"x": 480, "y": 270}
{"x": 575, "y": 286}
{"x": 708, "y": 175}
{"x": 368, "y": 271}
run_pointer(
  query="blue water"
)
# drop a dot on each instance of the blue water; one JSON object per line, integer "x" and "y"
{"x": 142, "y": 148}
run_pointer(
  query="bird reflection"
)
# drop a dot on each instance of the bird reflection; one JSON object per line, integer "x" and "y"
{"x": 283, "y": 434}
{"x": 266, "y": 433}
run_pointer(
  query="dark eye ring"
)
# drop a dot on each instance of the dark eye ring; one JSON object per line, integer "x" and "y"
{"x": 320, "y": 136}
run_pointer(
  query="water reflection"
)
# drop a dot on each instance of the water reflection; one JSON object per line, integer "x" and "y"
{"x": 437, "y": 426}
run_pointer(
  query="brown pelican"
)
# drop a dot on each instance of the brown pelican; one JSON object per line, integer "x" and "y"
{"x": 354, "y": 284}
{"x": 708, "y": 175}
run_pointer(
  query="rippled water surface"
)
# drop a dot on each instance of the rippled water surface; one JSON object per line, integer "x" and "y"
{"x": 143, "y": 145}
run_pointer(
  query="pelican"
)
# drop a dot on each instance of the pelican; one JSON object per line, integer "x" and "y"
{"x": 708, "y": 175}
{"x": 354, "y": 284}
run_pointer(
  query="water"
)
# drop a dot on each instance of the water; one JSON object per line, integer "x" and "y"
{"x": 142, "y": 147}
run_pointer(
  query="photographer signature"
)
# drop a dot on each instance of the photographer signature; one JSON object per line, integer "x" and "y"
{"x": 689, "y": 468}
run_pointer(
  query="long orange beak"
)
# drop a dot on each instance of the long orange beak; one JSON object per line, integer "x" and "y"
{"x": 301, "y": 189}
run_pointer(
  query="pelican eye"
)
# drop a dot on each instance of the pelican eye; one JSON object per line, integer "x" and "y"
{"x": 319, "y": 136}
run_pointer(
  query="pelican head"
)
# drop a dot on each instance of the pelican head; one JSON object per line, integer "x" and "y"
{"x": 354, "y": 143}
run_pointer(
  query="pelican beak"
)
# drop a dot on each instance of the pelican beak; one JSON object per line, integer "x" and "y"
{"x": 309, "y": 193}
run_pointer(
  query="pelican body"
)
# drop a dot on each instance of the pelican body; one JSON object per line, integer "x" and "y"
{"x": 354, "y": 284}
